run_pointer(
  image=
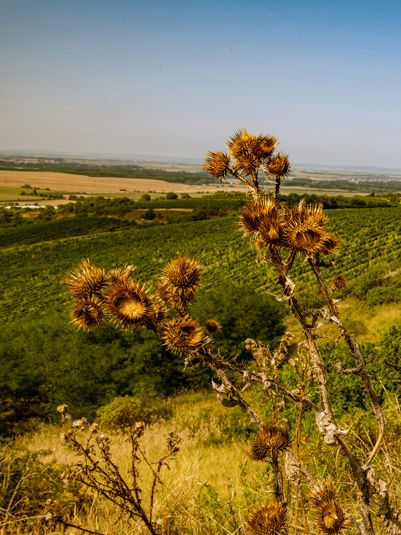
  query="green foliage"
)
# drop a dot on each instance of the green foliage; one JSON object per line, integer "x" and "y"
{"x": 171, "y": 195}
{"x": 383, "y": 364}
{"x": 242, "y": 313}
{"x": 124, "y": 411}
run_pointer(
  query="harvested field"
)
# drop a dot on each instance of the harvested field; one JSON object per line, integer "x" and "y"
{"x": 96, "y": 185}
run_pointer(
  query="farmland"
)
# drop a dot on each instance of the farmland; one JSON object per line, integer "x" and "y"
{"x": 45, "y": 362}
{"x": 36, "y": 258}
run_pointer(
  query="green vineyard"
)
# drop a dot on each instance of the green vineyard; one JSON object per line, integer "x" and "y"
{"x": 33, "y": 263}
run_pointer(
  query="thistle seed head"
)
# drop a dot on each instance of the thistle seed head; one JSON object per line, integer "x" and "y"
{"x": 182, "y": 272}
{"x": 87, "y": 313}
{"x": 270, "y": 440}
{"x": 217, "y": 164}
{"x": 119, "y": 276}
{"x": 270, "y": 519}
{"x": 279, "y": 165}
{"x": 212, "y": 326}
{"x": 182, "y": 335}
{"x": 329, "y": 514}
{"x": 303, "y": 230}
{"x": 249, "y": 150}
{"x": 85, "y": 280}
{"x": 339, "y": 283}
{"x": 129, "y": 304}
{"x": 260, "y": 220}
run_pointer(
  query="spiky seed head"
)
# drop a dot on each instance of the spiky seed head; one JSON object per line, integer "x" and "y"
{"x": 217, "y": 164}
{"x": 339, "y": 282}
{"x": 249, "y": 150}
{"x": 118, "y": 275}
{"x": 182, "y": 335}
{"x": 271, "y": 440}
{"x": 129, "y": 303}
{"x": 212, "y": 326}
{"x": 270, "y": 519}
{"x": 329, "y": 514}
{"x": 87, "y": 313}
{"x": 260, "y": 219}
{"x": 303, "y": 230}
{"x": 85, "y": 280}
{"x": 183, "y": 272}
{"x": 279, "y": 165}
{"x": 263, "y": 146}
{"x": 330, "y": 243}
{"x": 158, "y": 313}
{"x": 243, "y": 144}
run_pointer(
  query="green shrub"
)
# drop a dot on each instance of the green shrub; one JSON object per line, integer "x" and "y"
{"x": 124, "y": 411}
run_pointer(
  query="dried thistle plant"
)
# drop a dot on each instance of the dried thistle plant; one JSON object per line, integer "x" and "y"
{"x": 97, "y": 470}
{"x": 284, "y": 234}
{"x": 269, "y": 519}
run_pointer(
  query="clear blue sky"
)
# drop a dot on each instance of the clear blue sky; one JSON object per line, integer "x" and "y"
{"x": 176, "y": 78}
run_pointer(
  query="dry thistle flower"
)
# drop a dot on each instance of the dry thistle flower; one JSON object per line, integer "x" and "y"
{"x": 182, "y": 272}
{"x": 260, "y": 219}
{"x": 270, "y": 519}
{"x": 279, "y": 165}
{"x": 217, "y": 164}
{"x": 329, "y": 514}
{"x": 212, "y": 326}
{"x": 182, "y": 335}
{"x": 270, "y": 440}
{"x": 118, "y": 275}
{"x": 87, "y": 313}
{"x": 85, "y": 280}
{"x": 339, "y": 283}
{"x": 179, "y": 282}
{"x": 62, "y": 408}
{"x": 250, "y": 150}
{"x": 303, "y": 229}
{"x": 243, "y": 145}
{"x": 129, "y": 303}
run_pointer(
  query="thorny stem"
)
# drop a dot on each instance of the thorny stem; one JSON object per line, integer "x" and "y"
{"x": 277, "y": 188}
{"x": 355, "y": 350}
{"x": 320, "y": 374}
{"x": 277, "y": 477}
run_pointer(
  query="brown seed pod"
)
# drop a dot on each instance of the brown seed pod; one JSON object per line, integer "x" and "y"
{"x": 217, "y": 164}
{"x": 260, "y": 220}
{"x": 270, "y": 519}
{"x": 279, "y": 165}
{"x": 212, "y": 326}
{"x": 182, "y": 272}
{"x": 118, "y": 276}
{"x": 303, "y": 230}
{"x": 85, "y": 280}
{"x": 329, "y": 514}
{"x": 270, "y": 440}
{"x": 182, "y": 335}
{"x": 339, "y": 283}
{"x": 87, "y": 313}
{"x": 249, "y": 150}
{"x": 129, "y": 304}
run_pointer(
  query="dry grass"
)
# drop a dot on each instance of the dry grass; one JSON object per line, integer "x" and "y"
{"x": 213, "y": 484}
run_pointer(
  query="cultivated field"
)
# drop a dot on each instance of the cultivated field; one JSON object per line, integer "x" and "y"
{"x": 96, "y": 185}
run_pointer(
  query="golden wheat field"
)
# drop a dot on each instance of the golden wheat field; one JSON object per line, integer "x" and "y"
{"x": 86, "y": 184}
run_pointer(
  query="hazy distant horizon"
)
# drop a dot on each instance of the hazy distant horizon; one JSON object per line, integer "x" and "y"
{"x": 160, "y": 159}
{"x": 178, "y": 78}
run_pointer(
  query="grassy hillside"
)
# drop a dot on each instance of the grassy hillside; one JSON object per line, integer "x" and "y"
{"x": 33, "y": 263}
